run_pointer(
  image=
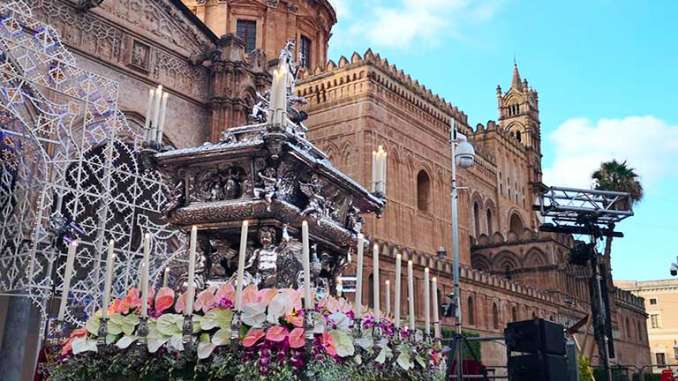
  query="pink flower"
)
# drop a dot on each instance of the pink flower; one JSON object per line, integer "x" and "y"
{"x": 133, "y": 298}
{"x": 276, "y": 334}
{"x": 252, "y": 337}
{"x": 119, "y": 306}
{"x": 68, "y": 345}
{"x": 295, "y": 297}
{"x": 226, "y": 292}
{"x": 327, "y": 342}
{"x": 206, "y": 300}
{"x": 295, "y": 318}
{"x": 164, "y": 299}
{"x": 249, "y": 294}
{"x": 181, "y": 303}
{"x": 266, "y": 295}
{"x": 296, "y": 338}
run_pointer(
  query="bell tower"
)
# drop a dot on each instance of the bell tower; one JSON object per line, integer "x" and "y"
{"x": 519, "y": 116}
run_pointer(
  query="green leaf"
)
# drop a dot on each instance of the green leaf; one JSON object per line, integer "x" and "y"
{"x": 254, "y": 315}
{"x": 92, "y": 325}
{"x": 405, "y": 360}
{"x": 197, "y": 323}
{"x": 384, "y": 355}
{"x": 83, "y": 344}
{"x": 170, "y": 325}
{"x": 125, "y": 341}
{"x": 420, "y": 360}
{"x": 216, "y": 318}
{"x": 343, "y": 343}
{"x": 222, "y": 336}
{"x": 154, "y": 344}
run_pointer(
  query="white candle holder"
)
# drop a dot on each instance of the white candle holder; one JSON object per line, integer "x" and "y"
{"x": 309, "y": 336}
{"x": 102, "y": 332}
{"x": 142, "y": 331}
{"x": 187, "y": 331}
{"x": 236, "y": 322}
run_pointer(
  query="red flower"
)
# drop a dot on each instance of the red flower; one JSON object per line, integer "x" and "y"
{"x": 68, "y": 345}
{"x": 296, "y": 338}
{"x": 327, "y": 342}
{"x": 252, "y": 337}
{"x": 164, "y": 299}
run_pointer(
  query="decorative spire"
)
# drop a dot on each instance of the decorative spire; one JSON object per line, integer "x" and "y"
{"x": 516, "y": 83}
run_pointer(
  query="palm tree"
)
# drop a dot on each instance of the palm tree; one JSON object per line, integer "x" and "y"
{"x": 618, "y": 177}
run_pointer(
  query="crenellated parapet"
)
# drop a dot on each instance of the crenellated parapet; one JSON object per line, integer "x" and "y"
{"x": 372, "y": 67}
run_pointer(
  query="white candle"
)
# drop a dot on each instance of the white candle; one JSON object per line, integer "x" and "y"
{"x": 190, "y": 288}
{"x": 358, "y": 303}
{"x": 375, "y": 174}
{"x": 241, "y": 266}
{"x": 410, "y": 292}
{"x": 144, "y": 275}
{"x": 383, "y": 170}
{"x": 398, "y": 275}
{"x": 156, "y": 107}
{"x": 163, "y": 114}
{"x": 110, "y": 263}
{"x": 149, "y": 113}
{"x": 165, "y": 277}
{"x": 308, "y": 299}
{"x": 436, "y": 319}
{"x": 340, "y": 287}
{"x": 388, "y": 298}
{"x": 68, "y": 273}
{"x": 375, "y": 274}
{"x": 140, "y": 274}
{"x": 427, "y": 301}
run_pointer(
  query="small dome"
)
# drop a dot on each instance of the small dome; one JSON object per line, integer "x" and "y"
{"x": 464, "y": 154}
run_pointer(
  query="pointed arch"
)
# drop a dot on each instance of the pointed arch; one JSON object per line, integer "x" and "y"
{"x": 481, "y": 262}
{"x": 535, "y": 258}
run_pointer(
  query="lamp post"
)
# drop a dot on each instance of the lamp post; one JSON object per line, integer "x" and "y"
{"x": 462, "y": 154}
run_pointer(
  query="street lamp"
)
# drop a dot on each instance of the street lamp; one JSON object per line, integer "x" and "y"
{"x": 674, "y": 268}
{"x": 463, "y": 155}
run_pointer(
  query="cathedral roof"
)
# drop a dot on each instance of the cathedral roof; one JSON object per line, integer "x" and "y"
{"x": 516, "y": 83}
{"x": 195, "y": 20}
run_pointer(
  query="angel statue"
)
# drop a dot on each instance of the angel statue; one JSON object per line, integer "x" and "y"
{"x": 275, "y": 265}
{"x": 270, "y": 183}
{"x": 312, "y": 190}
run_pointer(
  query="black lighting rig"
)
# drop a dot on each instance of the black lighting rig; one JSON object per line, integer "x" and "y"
{"x": 593, "y": 213}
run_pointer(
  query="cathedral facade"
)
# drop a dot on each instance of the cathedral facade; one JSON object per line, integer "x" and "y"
{"x": 213, "y": 56}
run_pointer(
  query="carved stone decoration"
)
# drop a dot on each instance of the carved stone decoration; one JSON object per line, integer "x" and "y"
{"x": 175, "y": 198}
{"x": 140, "y": 55}
{"x": 316, "y": 202}
{"x": 218, "y": 185}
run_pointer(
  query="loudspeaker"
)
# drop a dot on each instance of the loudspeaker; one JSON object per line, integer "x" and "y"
{"x": 538, "y": 335}
{"x": 537, "y": 366}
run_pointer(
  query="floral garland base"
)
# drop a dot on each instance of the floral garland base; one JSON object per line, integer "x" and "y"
{"x": 272, "y": 342}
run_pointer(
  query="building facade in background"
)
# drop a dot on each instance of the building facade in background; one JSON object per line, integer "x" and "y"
{"x": 661, "y": 305}
{"x": 213, "y": 56}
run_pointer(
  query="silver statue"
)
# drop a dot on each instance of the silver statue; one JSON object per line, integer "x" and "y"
{"x": 270, "y": 183}
{"x": 313, "y": 191}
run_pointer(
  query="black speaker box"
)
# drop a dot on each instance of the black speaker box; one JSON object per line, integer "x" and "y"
{"x": 537, "y": 367}
{"x": 538, "y": 335}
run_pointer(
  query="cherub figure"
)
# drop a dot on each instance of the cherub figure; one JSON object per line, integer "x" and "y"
{"x": 312, "y": 190}
{"x": 270, "y": 182}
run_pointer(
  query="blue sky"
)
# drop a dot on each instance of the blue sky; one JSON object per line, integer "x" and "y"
{"x": 606, "y": 72}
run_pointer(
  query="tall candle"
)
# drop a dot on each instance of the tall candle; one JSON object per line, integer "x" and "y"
{"x": 144, "y": 275}
{"x": 436, "y": 319}
{"x": 358, "y": 302}
{"x": 68, "y": 273}
{"x": 410, "y": 292}
{"x": 375, "y": 173}
{"x": 383, "y": 172}
{"x": 427, "y": 302}
{"x": 156, "y": 110}
{"x": 398, "y": 275}
{"x": 375, "y": 274}
{"x": 241, "y": 266}
{"x": 388, "y": 298}
{"x": 163, "y": 114}
{"x": 190, "y": 289}
{"x": 340, "y": 287}
{"x": 110, "y": 263}
{"x": 149, "y": 113}
{"x": 165, "y": 277}
{"x": 308, "y": 299}
{"x": 140, "y": 274}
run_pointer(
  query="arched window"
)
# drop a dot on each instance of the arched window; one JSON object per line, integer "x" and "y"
{"x": 476, "y": 218}
{"x": 628, "y": 328}
{"x": 471, "y": 315}
{"x": 534, "y": 314}
{"x": 423, "y": 190}
{"x": 518, "y": 136}
{"x": 490, "y": 228}
{"x": 514, "y": 313}
{"x": 516, "y": 224}
{"x": 640, "y": 332}
{"x": 495, "y": 316}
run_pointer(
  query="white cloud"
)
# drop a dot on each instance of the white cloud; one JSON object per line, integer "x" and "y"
{"x": 401, "y": 23}
{"x": 341, "y": 8}
{"x": 648, "y": 144}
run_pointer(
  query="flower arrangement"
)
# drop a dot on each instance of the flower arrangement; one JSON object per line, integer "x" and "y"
{"x": 272, "y": 338}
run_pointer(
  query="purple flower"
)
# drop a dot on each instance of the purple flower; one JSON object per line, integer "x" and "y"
{"x": 225, "y": 303}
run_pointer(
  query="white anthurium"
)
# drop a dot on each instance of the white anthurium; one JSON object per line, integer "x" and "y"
{"x": 404, "y": 359}
{"x": 278, "y": 307}
{"x": 385, "y": 354}
{"x": 83, "y": 344}
{"x": 125, "y": 341}
{"x": 341, "y": 321}
{"x": 254, "y": 314}
{"x": 365, "y": 342}
{"x": 343, "y": 343}
{"x": 205, "y": 346}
